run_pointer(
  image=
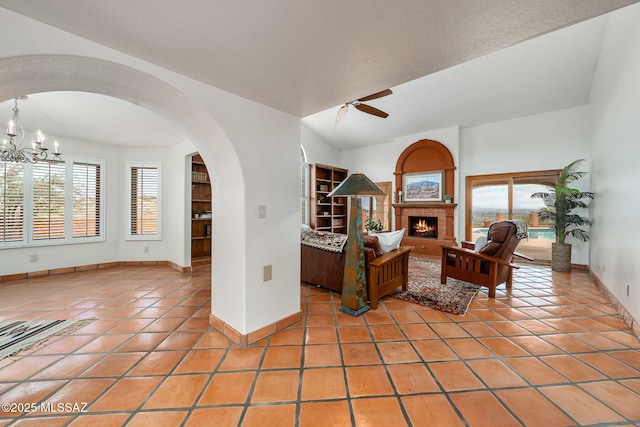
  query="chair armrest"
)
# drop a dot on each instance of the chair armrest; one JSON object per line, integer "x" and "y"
{"x": 468, "y": 245}
{"x": 523, "y": 256}
{"x": 474, "y": 254}
{"x": 382, "y": 259}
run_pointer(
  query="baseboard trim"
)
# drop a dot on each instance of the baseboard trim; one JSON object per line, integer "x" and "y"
{"x": 90, "y": 267}
{"x": 627, "y": 318}
{"x": 245, "y": 340}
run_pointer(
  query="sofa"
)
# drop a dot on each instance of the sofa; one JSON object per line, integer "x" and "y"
{"x": 324, "y": 266}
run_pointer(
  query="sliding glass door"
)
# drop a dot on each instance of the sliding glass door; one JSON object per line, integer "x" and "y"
{"x": 508, "y": 196}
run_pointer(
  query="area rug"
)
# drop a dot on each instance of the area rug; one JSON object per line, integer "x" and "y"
{"x": 21, "y": 335}
{"x": 425, "y": 288}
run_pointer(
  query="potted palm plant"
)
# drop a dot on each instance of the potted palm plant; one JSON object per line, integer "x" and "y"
{"x": 559, "y": 212}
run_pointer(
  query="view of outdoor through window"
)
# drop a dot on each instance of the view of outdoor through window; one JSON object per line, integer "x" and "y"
{"x": 144, "y": 201}
{"x": 11, "y": 202}
{"x": 378, "y": 208}
{"x": 496, "y": 198}
{"x": 50, "y": 202}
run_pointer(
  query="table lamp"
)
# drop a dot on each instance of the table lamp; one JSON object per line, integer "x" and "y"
{"x": 354, "y": 282}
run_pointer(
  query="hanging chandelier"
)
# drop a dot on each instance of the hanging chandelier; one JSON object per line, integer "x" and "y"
{"x": 12, "y": 150}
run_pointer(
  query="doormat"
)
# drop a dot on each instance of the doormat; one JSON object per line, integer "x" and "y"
{"x": 21, "y": 335}
{"x": 425, "y": 288}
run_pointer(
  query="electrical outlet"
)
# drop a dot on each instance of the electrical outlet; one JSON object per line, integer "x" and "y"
{"x": 146, "y": 249}
{"x": 266, "y": 273}
{"x": 33, "y": 258}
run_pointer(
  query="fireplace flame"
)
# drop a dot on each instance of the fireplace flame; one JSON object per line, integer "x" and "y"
{"x": 422, "y": 226}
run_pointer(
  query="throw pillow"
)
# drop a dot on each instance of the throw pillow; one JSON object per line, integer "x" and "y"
{"x": 390, "y": 240}
{"x": 481, "y": 243}
{"x": 372, "y": 242}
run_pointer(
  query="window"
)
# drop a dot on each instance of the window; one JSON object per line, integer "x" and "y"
{"x": 48, "y": 200}
{"x": 86, "y": 200}
{"x": 11, "y": 202}
{"x": 51, "y": 202}
{"x": 143, "y": 222}
{"x": 508, "y": 196}
{"x": 304, "y": 187}
{"x": 378, "y": 208}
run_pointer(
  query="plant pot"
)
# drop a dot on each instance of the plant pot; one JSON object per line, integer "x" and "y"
{"x": 560, "y": 256}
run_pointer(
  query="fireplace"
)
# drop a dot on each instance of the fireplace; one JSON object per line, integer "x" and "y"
{"x": 428, "y": 223}
{"x": 423, "y": 226}
{"x": 428, "y": 226}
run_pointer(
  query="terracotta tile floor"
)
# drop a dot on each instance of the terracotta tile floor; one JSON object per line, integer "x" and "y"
{"x": 551, "y": 352}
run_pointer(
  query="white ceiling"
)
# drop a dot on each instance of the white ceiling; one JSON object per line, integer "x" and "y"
{"x": 92, "y": 117}
{"x": 547, "y": 73}
{"x": 308, "y": 57}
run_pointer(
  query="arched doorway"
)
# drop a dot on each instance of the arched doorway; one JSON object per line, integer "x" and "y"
{"x": 45, "y": 73}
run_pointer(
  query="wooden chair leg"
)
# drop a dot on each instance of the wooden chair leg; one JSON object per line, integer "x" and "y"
{"x": 373, "y": 295}
{"x": 492, "y": 291}
{"x": 443, "y": 267}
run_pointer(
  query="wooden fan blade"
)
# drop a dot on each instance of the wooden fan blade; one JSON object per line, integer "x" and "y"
{"x": 371, "y": 110}
{"x": 376, "y": 95}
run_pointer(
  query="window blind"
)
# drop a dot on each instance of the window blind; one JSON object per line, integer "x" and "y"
{"x": 48, "y": 200}
{"x": 144, "y": 201}
{"x": 11, "y": 202}
{"x": 87, "y": 183}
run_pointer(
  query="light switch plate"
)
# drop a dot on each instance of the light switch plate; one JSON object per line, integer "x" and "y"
{"x": 262, "y": 211}
{"x": 267, "y": 273}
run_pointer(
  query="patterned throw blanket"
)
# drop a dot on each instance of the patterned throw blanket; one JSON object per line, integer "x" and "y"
{"x": 521, "y": 229}
{"x": 332, "y": 242}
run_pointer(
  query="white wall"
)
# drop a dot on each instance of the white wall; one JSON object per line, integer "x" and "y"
{"x": 540, "y": 142}
{"x": 615, "y": 156}
{"x": 318, "y": 150}
{"x": 115, "y": 247}
{"x": 173, "y": 231}
{"x": 253, "y": 151}
{"x": 17, "y": 260}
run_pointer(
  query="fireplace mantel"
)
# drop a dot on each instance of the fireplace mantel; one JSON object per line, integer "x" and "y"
{"x": 424, "y": 205}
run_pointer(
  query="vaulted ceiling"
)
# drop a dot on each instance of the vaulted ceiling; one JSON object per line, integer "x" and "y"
{"x": 448, "y": 62}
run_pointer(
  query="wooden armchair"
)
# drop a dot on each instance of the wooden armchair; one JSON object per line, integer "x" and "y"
{"x": 387, "y": 273}
{"x": 490, "y": 266}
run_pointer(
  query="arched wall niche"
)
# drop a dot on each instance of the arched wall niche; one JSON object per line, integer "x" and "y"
{"x": 424, "y": 156}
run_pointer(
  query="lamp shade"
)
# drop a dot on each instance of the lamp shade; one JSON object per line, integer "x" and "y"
{"x": 356, "y": 184}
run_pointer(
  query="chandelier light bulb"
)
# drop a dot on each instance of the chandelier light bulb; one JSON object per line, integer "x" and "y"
{"x": 11, "y": 129}
{"x": 12, "y": 149}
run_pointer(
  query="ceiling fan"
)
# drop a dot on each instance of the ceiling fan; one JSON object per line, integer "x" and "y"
{"x": 342, "y": 112}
